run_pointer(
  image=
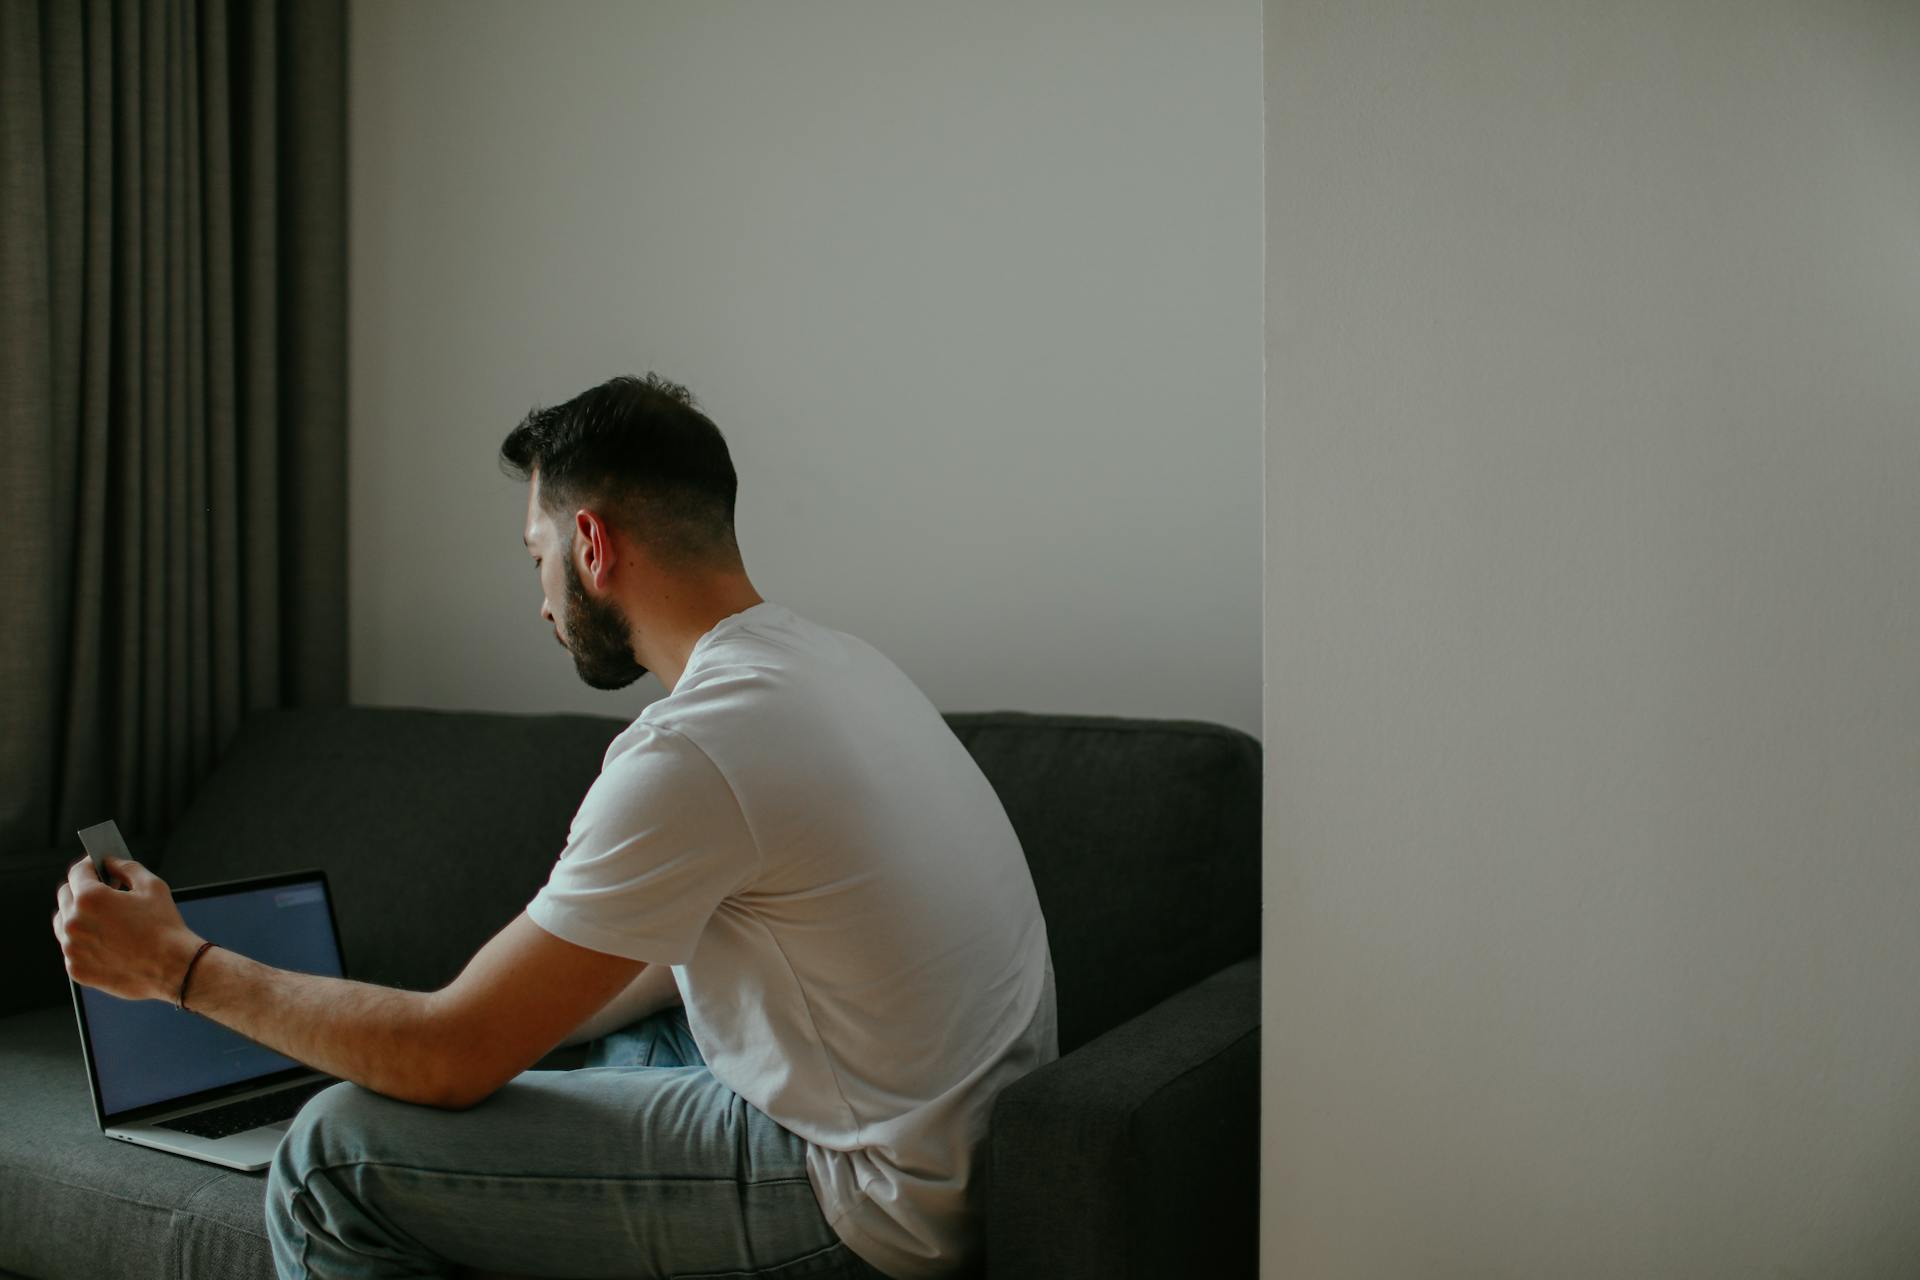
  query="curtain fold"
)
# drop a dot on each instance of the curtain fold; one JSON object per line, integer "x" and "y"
{"x": 172, "y": 394}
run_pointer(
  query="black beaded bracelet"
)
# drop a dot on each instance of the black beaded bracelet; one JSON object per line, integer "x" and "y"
{"x": 181, "y": 1003}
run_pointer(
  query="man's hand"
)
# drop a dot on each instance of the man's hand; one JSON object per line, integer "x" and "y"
{"x": 132, "y": 943}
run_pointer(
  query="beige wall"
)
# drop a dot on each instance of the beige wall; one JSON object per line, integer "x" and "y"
{"x": 972, "y": 289}
{"x": 1593, "y": 639}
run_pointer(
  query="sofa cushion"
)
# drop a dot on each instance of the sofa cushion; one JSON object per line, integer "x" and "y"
{"x": 73, "y": 1203}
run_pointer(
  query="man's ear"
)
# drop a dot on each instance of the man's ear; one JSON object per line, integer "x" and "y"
{"x": 593, "y": 544}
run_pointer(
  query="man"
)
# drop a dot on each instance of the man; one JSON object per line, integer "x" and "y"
{"x": 792, "y": 836}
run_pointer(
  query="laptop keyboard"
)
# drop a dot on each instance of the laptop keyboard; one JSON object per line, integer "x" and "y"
{"x": 238, "y": 1117}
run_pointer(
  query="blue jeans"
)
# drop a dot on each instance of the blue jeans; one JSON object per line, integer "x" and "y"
{"x": 638, "y": 1164}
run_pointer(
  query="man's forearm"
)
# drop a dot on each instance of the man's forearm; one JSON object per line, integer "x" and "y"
{"x": 385, "y": 1039}
{"x": 653, "y": 990}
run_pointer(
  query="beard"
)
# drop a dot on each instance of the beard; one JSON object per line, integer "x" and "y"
{"x": 599, "y": 638}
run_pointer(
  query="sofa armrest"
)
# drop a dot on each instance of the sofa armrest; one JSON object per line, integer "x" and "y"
{"x": 1138, "y": 1153}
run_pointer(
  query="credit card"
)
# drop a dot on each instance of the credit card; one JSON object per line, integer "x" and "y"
{"x": 103, "y": 840}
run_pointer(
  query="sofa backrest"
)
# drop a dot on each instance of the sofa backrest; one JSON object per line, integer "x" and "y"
{"x": 435, "y": 828}
{"x": 1143, "y": 837}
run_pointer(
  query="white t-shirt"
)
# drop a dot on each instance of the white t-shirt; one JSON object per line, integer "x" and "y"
{"x": 847, "y": 911}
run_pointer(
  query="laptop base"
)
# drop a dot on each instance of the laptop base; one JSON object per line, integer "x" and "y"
{"x": 248, "y": 1152}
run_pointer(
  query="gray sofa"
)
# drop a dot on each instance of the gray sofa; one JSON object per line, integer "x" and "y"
{"x": 1133, "y": 1155}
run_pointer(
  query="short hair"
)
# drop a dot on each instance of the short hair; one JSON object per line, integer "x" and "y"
{"x": 640, "y": 450}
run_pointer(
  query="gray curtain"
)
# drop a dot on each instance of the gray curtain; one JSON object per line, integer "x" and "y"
{"x": 172, "y": 386}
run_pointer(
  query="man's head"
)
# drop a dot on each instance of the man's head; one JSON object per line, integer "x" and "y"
{"x": 632, "y": 465}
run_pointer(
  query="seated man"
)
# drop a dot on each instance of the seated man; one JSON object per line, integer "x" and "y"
{"x": 792, "y": 842}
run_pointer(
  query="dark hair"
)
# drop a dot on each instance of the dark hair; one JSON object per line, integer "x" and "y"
{"x": 640, "y": 450}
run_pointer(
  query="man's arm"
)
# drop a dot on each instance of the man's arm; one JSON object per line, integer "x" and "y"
{"x": 519, "y": 995}
{"x": 647, "y": 994}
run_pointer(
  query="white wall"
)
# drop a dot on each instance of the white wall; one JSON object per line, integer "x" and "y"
{"x": 971, "y": 289}
{"x": 1593, "y": 639}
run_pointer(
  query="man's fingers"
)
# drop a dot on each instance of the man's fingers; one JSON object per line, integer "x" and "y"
{"x": 80, "y": 875}
{"x": 63, "y": 899}
{"x": 133, "y": 873}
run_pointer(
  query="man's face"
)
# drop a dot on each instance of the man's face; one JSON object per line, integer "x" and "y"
{"x": 595, "y": 632}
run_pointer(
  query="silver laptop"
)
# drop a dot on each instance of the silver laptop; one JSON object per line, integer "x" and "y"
{"x": 180, "y": 1082}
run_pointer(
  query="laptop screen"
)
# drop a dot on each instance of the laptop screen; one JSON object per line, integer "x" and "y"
{"x": 146, "y": 1051}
